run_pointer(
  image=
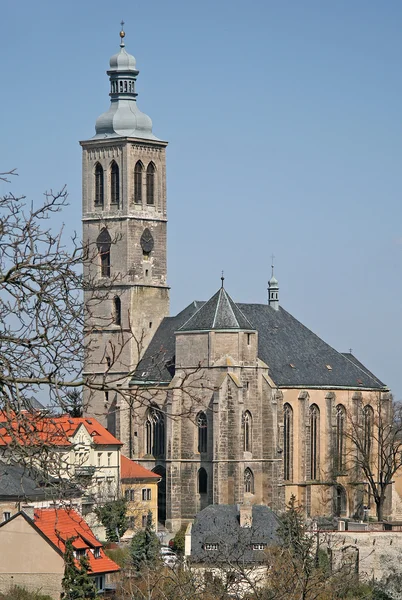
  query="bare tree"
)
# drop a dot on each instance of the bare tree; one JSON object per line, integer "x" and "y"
{"x": 374, "y": 433}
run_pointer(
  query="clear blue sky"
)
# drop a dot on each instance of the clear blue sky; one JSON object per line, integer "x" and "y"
{"x": 284, "y": 123}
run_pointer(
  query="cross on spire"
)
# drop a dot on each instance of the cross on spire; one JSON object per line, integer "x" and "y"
{"x": 222, "y": 278}
{"x": 272, "y": 264}
{"x": 122, "y": 34}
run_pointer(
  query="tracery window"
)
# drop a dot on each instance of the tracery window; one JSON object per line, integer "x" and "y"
{"x": 368, "y": 422}
{"x": 116, "y": 310}
{"x": 340, "y": 438}
{"x": 202, "y": 426}
{"x": 138, "y": 182}
{"x": 155, "y": 432}
{"x": 151, "y": 183}
{"x": 248, "y": 481}
{"x": 287, "y": 442}
{"x": 98, "y": 185}
{"x": 248, "y": 431}
{"x": 314, "y": 441}
{"x": 202, "y": 481}
{"x": 114, "y": 184}
{"x": 103, "y": 243}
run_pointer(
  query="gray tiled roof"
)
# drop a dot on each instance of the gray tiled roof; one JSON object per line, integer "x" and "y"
{"x": 296, "y": 356}
{"x": 220, "y": 524}
{"x": 18, "y": 483}
{"x": 220, "y": 312}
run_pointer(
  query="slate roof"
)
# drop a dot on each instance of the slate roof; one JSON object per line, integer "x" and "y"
{"x": 18, "y": 484}
{"x": 296, "y": 356}
{"x": 220, "y": 524}
{"x": 220, "y": 312}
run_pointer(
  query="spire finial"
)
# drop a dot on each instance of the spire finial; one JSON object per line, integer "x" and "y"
{"x": 122, "y": 35}
{"x": 222, "y": 279}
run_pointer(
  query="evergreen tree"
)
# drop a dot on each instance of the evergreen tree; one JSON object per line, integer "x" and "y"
{"x": 77, "y": 584}
{"x": 85, "y": 582}
{"x": 145, "y": 546}
{"x": 113, "y": 516}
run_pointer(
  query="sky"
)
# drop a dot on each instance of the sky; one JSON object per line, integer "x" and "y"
{"x": 284, "y": 129}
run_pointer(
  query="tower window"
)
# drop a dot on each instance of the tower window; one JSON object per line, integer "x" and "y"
{"x": 202, "y": 481}
{"x": 287, "y": 442}
{"x": 138, "y": 169}
{"x": 340, "y": 438}
{"x": 98, "y": 185}
{"x": 114, "y": 184}
{"x": 155, "y": 432}
{"x": 202, "y": 426}
{"x": 248, "y": 431}
{"x": 125, "y": 86}
{"x": 368, "y": 422}
{"x": 104, "y": 242}
{"x": 116, "y": 310}
{"x": 151, "y": 183}
{"x": 314, "y": 440}
{"x": 248, "y": 481}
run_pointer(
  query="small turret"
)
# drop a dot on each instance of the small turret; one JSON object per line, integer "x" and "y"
{"x": 273, "y": 291}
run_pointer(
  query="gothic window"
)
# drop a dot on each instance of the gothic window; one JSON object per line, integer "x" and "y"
{"x": 340, "y": 501}
{"x": 314, "y": 441}
{"x": 202, "y": 481}
{"x": 114, "y": 184}
{"x": 340, "y": 438}
{"x": 103, "y": 243}
{"x": 368, "y": 422}
{"x": 155, "y": 432}
{"x": 138, "y": 182}
{"x": 116, "y": 311}
{"x": 248, "y": 431}
{"x": 287, "y": 442}
{"x": 98, "y": 185}
{"x": 248, "y": 481}
{"x": 151, "y": 183}
{"x": 202, "y": 432}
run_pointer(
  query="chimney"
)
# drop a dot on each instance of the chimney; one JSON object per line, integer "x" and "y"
{"x": 28, "y": 510}
{"x": 246, "y": 516}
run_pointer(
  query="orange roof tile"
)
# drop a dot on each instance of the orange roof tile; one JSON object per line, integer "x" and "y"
{"x": 60, "y": 524}
{"x": 35, "y": 429}
{"x": 132, "y": 470}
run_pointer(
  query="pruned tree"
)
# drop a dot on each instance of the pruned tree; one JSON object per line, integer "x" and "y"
{"x": 113, "y": 516}
{"x": 374, "y": 434}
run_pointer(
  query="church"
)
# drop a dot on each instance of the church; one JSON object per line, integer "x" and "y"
{"x": 229, "y": 403}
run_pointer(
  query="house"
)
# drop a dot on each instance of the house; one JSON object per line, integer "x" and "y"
{"x": 140, "y": 488}
{"x": 32, "y": 550}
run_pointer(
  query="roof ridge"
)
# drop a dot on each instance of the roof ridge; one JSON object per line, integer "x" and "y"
{"x": 228, "y": 298}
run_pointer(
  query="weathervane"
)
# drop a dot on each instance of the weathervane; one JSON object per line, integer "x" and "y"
{"x": 122, "y": 34}
{"x": 222, "y": 278}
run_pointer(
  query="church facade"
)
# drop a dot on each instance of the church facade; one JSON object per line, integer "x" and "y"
{"x": 229, "y": 403}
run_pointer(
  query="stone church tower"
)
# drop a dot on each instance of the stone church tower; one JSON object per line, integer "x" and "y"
{"x": 124, "y": 229}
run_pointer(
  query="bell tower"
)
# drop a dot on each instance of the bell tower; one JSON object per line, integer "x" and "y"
{"x": 124, "y": 232}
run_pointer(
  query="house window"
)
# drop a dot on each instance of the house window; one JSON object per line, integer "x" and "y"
{"x": 287, "y": 442}
{"x": 114, "y": 184}
{"x": 99, "y": 459}
{"x": 103, "y": 243}
{"x": 97, "y": 553}
{"x": 109, "y": 459}
{"x": 211, "y": 546}
{"x": 259, "y": 546}
{"x": 98, "y": 185}
{"x": 202, "y": 432}
{"x": 248, "y": 431}
{"x": 100, "y": 582}
{"x": 202, "y": 481}
{"x": 368, "y": 422}
{"x": 248, "y": 481}
{"x": 146, "y": 494}
{"x": 144, "y": 520}
{"x": 6, "y": 516}
{"x": 116, "y": 311}
{"x": 340, "y": 438}
{"x": 80, "y": 552}
{"x": 151, "y": 183}
{"x": 155, "y": 432}
{"x": 314, "y": 441}
{"x": 129, "y": 495}
{"x": 131, "y": 522}
{"x": 138, "y": 182}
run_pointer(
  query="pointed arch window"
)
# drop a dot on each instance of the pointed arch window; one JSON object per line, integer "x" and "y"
{"x": 202, "y": 481}
{"x": 114, "y": 184}
{"x": 314, "y": 441}
{"x": 138, "y": 169}
{"x": 155, "y": 432}
{"x": 116, "y": 311}
{"x": 103, "y": 243}
{"x": 98, "y": 185}
{"x": 287, "y": 442}
{"x": 368, "y": 423}
{"x": 248, "y": 431}
{"x": 248, "y": 481}
{"x": 340, "y": 438}
{"x": 202, "y": 426}
{"x": 151, "y": 183}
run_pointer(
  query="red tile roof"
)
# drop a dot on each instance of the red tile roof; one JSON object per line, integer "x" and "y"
{"x": 35, "y": 429}
{"x": 60, "y": 524}
{"x": 132, "y": 470}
